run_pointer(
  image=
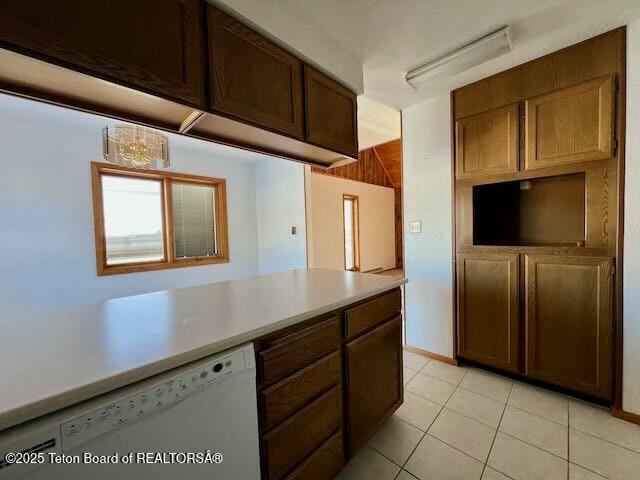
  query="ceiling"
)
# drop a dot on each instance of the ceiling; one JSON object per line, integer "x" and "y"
{"x": 377, "y": 123}
{"x": 389, "y": 37}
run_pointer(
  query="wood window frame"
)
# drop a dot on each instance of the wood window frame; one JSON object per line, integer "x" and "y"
{"x": 98, "y": 169}
{"x": 356, "y": 232}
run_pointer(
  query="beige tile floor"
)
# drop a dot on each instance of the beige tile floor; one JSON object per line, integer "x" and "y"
{"x": 461, "y": 423}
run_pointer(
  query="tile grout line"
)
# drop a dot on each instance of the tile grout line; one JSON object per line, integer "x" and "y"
{"x": 589, "y": 470}
{"x": 568, "y": 438}
{"x": 603, "y": 440}
{"x": 497, "y": 430}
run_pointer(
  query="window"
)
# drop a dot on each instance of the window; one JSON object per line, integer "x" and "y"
{"x": 150, "y": 220}
{"x": 351, "y": 233}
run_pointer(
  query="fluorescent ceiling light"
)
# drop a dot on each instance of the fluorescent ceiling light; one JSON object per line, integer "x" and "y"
{"x": 484, "y": 49}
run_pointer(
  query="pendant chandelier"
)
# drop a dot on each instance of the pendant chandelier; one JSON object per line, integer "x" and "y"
{"x": 135, "y": 146}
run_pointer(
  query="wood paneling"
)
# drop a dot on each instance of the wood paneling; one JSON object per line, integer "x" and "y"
{"x": 367, "y": 169}
{"x": 374, "y": 381}
{"x": 291, "y": 353}
{"x": 488, "y": 306}
{"x": 569, "y": 322}
{"x": 593, "y": 58}
{"x": 390, "y": 155}
{"x": 331, "y": 119}
{"x": 252, "y": 78}
{"x": 290, "y": 443}
{"x": 570, "y": 125}
{"x": 363, "y": 317}
{"x": 487, "y": 142}
{"x": 152, "y": 45}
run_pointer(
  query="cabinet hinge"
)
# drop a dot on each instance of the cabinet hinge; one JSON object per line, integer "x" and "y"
{"x": 614, "y": 145}
{"x": 613, "y": 269}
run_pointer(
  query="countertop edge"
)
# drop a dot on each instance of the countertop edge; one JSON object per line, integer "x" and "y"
{"x": 66, "y": 399}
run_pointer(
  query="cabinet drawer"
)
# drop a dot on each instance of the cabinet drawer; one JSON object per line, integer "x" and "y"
{"x": 294, "y": 440}
{"x": 371, "y": 313}
{"x": 324, "y": 463}
{"x": 286, "y": 397}
{"x": 294, "y": 352}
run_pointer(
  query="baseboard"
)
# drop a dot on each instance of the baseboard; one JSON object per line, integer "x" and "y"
{"x": 628, "y": 416}
{"x": 434, "y": 356}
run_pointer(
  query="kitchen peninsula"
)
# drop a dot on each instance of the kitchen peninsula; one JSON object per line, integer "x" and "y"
{"x": 318, "y": 335}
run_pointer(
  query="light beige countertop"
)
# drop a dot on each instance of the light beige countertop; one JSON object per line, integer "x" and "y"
{"x": 51, "y": 361}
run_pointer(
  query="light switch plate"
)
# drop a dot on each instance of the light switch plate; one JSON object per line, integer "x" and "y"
{"x": 415, "y": 227}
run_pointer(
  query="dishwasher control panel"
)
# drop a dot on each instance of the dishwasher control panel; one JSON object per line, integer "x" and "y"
{"x": 127, "y": 409}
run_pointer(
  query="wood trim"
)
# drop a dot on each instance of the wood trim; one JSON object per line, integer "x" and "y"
{"x": 624, "y": 415}
{"x": 166, "y": 178}
{"x": 432, "y": 355}
{"x": 356, "y": 231}
{"x": 620, "y": 97}
{"x": 454, "y": 233}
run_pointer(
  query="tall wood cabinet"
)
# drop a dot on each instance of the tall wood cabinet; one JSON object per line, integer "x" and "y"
{"x": 538, "y": 196}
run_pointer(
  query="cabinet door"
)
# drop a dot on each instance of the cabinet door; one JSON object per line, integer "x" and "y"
{"x": 374, "y": 380}
{"x": 252, "y": 78}
{"x": 488, "y": 321}
{"x": 487, "y": 143}
{"x": 330, "y": 113}
{"x": 569, "y": 322}
{"x": 151, "y": 45}
{"x": 571, "y": 125}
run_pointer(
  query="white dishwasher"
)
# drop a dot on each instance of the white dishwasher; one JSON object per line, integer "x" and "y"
{"x": 195, "y": 422}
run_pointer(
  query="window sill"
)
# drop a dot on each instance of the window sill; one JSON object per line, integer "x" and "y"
{"x": 104, "y": 270}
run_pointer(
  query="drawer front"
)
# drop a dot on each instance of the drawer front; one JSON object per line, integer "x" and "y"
{"x": 360, "y": 318}
{"x": 289, "y": 444}
{"x": 294, "y": 352}
{"x": 291, "y": 394}
{"x": 324, "y": 463}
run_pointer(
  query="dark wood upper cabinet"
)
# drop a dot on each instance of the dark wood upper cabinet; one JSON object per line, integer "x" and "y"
{"x": 331, "y": 113}
{"x": 251, "y": 78}
{"x": 487, "y": 143}
{"x": 150, "y": 45}
{"x": 374, "y": 381}
{"x": 571, "y": 125}
{"x": 488, "y": 319}
{"x": 569, "y": 322}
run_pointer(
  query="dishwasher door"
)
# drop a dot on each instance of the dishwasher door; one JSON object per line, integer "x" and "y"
{"x": 220, "y": 417}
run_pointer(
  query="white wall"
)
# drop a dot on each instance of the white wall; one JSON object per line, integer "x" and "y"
{"x": 280, "y": 206}
{"x": 377, "y": 227}
{"x": 47, "y": 254}
{"x": 631, "y": 260}
{"x": 426, "y": 183}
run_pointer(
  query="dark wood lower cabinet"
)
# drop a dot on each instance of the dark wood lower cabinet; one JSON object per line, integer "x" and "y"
{"x": 374, "y": 381}
{"x": 563, "y": 328}
{"x": 325, "y": 387}
{"x": 488, "y": 319}
{"x": 569, "y": 322}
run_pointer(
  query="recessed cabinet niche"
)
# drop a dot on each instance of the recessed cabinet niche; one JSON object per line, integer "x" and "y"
{"x": 538, "y": 211}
